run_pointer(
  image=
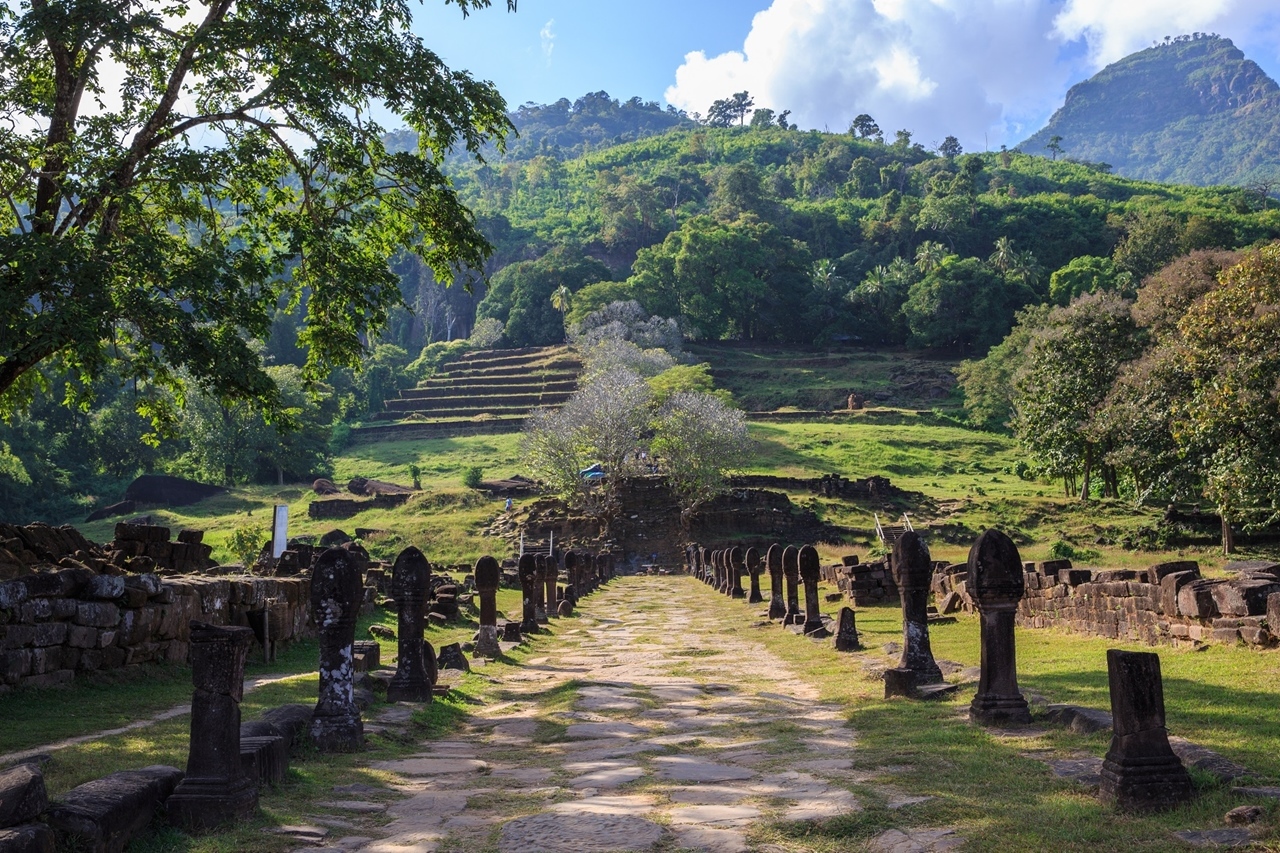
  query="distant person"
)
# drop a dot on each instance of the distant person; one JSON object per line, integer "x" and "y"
{"x": 508, "y": 504}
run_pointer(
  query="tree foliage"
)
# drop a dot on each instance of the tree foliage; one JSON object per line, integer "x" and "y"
{"x": 237, "y": 167}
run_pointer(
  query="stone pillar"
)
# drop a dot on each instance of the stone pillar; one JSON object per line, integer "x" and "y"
{"x": 540, "y": 589}
{"x": 847, "y": 631}
{"x": 488, "y": 575}
{"x": 773, "y": 562}
{"x": 552, "y": 577}
{"x": 1140, "y": 772}
{"x": 708, "y": 567}
{"x": 718, "y": 570}
{"x": 410, "y": 586}
{"x": 810, "y": 567}
{"x": 913, "y": 571}
{"x": 215, "y": 789}
{"x": 571, "y": 575}
{"x": 753, "y": 569}
{"x": 527, "y": 570}
{"x": 726, "y": 577}
{"x": 791, "y": 571}
{"x": 736, "y": 566}
{"x": 336, "y": 595}
{"x": 996, "y": 583}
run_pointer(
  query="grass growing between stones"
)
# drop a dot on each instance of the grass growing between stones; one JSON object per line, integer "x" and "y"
{"x": 985, "y": 785}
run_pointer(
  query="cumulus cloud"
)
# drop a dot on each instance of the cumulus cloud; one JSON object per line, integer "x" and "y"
{"x": 986, "y": 71}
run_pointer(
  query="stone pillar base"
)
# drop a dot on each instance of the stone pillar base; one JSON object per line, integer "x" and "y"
{"x": 1145, "y": 784}
{"x": 992, "y": 710}
{"x": 486, "y": 642}
{"x": 338, "y": 734}
{"x": 202, "y": 804}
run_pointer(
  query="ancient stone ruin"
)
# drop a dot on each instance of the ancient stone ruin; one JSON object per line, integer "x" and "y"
{"x": 215, "y": 790}
{"x": 410, "y": 580}
{"x": 912, "y": 569}
{"x": 335, "y": 600}
{"x": 1141, "y": 771}
{"x": 791, "y": 573}
{"x": 810, "y": 567}
{"x": 773, "y": 561}
{"x": 528, "y": 574}
{"x": 847, "y": 631}
{"x": 488, "y": 575}
{"x": 753, "y": 569}
{"x": 996, "y": 583}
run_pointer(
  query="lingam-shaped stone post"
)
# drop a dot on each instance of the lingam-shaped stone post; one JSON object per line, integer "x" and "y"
{"x": 410, "y": 585}
{"x": 708, "y": 567}
{"x": 336, "y": 594}
{"x": 527, "y": 570}
{"x": 753, "y": 569}
{"x": 773, "y": 561}
{"x": 736, "y": 566}
{"x": 540, "y": 589}
{"x": 726, "y": 581}
{"x": 912, "y": 571}
{"x": 488, "y": 575}
{"x": 1141, "y": 771}
{"x": 810, "y": 567}
{"x": 791, "y": 571}
{"x": 552, "y": 577}
{"x": 996, "y": 583}
{"x": 215, "y": 789}
{"x": 571, "y": 576}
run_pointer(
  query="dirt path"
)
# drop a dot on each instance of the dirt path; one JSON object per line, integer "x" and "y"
{"x": 648, "y": 726}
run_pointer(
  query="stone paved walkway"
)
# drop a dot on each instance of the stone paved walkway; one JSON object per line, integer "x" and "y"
{"x": 646, "y": 726}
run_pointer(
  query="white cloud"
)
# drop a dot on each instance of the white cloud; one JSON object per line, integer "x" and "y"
{"x": 987, "y": 71}
{"x": 548, "y": 39}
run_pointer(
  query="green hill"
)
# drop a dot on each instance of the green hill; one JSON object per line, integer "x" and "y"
{"x": 1191, "y": 110}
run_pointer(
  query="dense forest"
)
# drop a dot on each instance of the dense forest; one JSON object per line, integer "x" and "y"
{"x": 756, "y": 232}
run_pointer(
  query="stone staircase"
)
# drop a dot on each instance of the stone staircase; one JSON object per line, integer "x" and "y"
{"x": 491, "y": 391}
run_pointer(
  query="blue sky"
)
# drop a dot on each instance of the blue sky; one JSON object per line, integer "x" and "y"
{"x": 988, "y": 71}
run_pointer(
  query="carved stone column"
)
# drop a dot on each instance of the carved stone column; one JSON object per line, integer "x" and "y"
{"x": 996, "y": 583}
{"x": 336, "y": 595}
{"x": 410, "y": 586}
{"x": 488, "y": 575}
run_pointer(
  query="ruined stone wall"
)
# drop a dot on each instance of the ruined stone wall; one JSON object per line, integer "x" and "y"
{"x": 55, "y": 625}
{"x": 1168, "y": 603}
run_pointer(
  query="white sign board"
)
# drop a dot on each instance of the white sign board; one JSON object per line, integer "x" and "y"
{"x": 279, "y": 531}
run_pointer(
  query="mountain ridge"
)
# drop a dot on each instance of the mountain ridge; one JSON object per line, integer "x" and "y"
{"x": 1191, "y": 110}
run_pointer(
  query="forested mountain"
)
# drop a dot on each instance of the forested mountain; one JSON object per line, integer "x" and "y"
{"x": 766, "y": 233}
{"x": 1189, "y": 110}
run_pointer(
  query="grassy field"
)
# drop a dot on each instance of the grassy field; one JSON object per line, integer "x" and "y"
{"x": 962, "y": 481}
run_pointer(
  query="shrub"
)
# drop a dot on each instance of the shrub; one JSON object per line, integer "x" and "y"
{"x": 472, "y": 477}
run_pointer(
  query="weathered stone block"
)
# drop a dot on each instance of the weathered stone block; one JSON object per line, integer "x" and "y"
{"x": 17, "y": 665}
{"x": 1244, "y": 597}
{"x": 1158, "y": 572}
{"x": 104, "y": 588}
{"x": 50, "y": 634}
{"x": 28, "y": 838}
{"x": 57, "y": 678}
{"x": 1074, "y": 577}
{"x": 36, "y": 611}
{"x": 97, "y": 614}
{"x": 22, "y": 795}
{"x": 18, "y": 636}
{"x": 104, "y": 815}
{"x": 1196, "y": 600}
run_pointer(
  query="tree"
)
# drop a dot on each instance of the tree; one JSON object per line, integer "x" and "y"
{"x": 963, "y": 303}
{"x": 1086, "y": 274}
{"x": 697, "y": 436}
{"x": 1230, "y": 345}
{"x": 1055, "y": 146}
{"x": 561, "y": 299}
{"x": 865, "y": 127}
{"x": 520, "y": 295}
{"x": 1069, "y": 368}
{"x": 988, "y": 382}
{"x": 929, "y": 256}
{"x": 723, "y": 112}
{"x": 950, "y": 148}
{"x": 763, "y": 117}
{"x": 239, "y": 167}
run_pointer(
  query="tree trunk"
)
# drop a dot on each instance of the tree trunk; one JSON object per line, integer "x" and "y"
{"x": 1228, "y": 537}
{"x": 1088, "y": 470}
{"x": 279, "y": 476}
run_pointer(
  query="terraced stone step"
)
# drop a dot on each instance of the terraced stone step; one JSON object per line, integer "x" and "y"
{"x": 480, "y": 402}
{"x": 557, "y": 369}
{"x": 511, "y": 358}
{"x": 449, "y": 428}
{"x": 435, "y": 392}
{"x": 459, "y": 412}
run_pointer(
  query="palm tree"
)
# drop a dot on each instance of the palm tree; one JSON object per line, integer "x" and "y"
{"x": 1004, "y": 256}
{"x": 929, "y": 256}
{"x": 561, "y": 298}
